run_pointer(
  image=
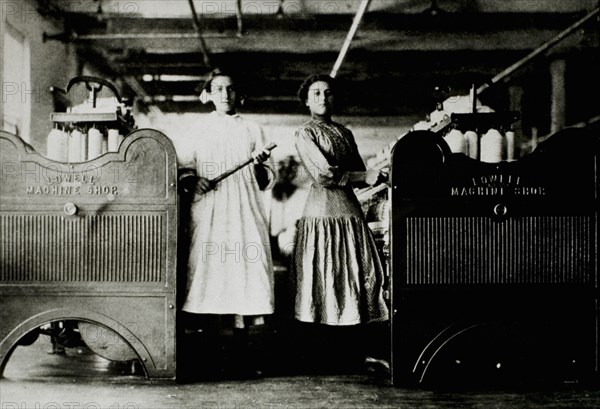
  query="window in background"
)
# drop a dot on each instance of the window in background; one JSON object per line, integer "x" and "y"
{"x": 16, "y": 83}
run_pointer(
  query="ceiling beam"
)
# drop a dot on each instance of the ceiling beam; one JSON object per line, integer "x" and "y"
{"x": 447, "y": 22}
{"x": 362, "y": 65}
{"x": 383, "y": 32}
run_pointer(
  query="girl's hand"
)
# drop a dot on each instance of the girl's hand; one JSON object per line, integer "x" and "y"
{"x": 204, "y": 185}
{"x": 372, "y": 177}
{"x": 259, "y": 156}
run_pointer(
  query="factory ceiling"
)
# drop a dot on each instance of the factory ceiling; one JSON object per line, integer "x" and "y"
{"x": 405, "y": 54}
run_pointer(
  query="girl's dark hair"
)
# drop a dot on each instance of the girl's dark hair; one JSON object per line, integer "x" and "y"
{"x": 217, "y": 72}
{"x": 303, "y": 90}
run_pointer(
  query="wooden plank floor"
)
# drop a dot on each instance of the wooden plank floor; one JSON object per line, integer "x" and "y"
{"x": 80, "y": 379}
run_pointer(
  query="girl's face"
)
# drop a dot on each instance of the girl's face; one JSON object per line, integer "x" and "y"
{"x": 320, "y": 98}
{"x": 223, "y": 95}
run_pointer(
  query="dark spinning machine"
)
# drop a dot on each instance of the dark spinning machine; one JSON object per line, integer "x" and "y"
{"x": 494, "y": 265}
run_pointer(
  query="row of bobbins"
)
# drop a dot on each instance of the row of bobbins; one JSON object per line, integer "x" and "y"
{"x": 492, "y": 146}
{"x": 80, "y": 144}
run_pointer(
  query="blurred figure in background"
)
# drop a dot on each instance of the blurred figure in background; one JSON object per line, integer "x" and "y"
{"x": 289, "y": 196}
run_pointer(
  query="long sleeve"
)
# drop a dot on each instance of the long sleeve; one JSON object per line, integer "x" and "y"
{"x": 316, "y": 164}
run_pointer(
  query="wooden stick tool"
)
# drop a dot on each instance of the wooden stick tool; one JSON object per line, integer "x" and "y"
{"x": 245, "y": 163}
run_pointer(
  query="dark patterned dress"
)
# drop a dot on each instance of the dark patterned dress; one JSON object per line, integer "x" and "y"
{"x": 336, "y": 270}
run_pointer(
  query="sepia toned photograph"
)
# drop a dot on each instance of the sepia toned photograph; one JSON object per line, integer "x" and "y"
{"x": 299, "y": 204}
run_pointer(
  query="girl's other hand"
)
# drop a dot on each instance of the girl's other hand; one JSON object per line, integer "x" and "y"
{"x": 259, "y": 156}
{"x": 372, "y": 177}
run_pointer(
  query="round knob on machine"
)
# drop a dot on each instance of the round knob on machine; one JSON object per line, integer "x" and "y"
{"x": 500, "y": 210}
{"x": 70, "y": 209}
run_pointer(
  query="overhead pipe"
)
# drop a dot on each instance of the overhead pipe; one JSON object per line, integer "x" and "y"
{"x": 203, "y": 46}
{"x": 548, "y": 44}
{"x": 133, "y": 36}
{"x": 357, "y": 19}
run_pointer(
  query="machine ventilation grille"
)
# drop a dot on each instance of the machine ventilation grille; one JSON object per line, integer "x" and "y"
{"x": 90, "y": 248}
{"x": 523, "y": 250}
